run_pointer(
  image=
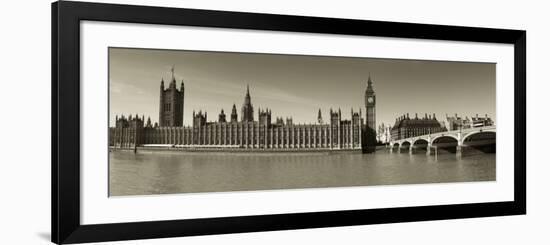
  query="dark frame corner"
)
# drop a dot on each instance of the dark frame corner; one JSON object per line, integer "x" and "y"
{"x": 66, "y": 17}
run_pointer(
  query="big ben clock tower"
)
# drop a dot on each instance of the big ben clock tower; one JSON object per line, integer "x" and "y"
{"x": 370, "y": 104}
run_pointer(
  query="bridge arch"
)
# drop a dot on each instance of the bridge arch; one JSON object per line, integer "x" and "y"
{"x": 491, "y": 132}
{"x": 484, "y": 141}
{"x": 444, "y": 137}
{"x": 420, "y": 141}
{"x": 404, "y": 146}
{"x": 395, "y": 145}
{"x": 447, "y": 143}
{"x": 420, "y": 144}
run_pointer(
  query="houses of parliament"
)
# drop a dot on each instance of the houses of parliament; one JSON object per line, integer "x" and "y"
{"x": 244, "y": 133}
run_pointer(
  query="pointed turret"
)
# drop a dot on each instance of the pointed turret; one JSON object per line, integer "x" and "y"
{"x": 234, "y": 117}
{"x": 173, "y": 77}
{"x": 173, "y": 80}
{"x": 247, "y": 110}
{"x": 369, "y": 85}
{"x": 221, "y": 117}
{"x": 247, "y": 100}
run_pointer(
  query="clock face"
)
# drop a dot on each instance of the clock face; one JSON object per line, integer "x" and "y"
{"x": 370, "y": 99}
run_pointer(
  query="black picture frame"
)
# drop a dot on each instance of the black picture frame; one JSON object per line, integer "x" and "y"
{"x": 65, "y": 140}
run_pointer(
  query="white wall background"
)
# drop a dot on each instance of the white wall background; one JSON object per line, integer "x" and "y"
{"x": 25, "y": 121}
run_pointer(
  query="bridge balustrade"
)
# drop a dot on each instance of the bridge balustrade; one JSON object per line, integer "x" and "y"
{"x": 433, "y": 140}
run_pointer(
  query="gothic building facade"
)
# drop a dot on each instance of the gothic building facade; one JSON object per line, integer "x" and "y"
{"x": 171, "y": 104}
{"x": 335, "y": 133}
{"x": 456, "y": 122}
{"x": 406, "y": 127}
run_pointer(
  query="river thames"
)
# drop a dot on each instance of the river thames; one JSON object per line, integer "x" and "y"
{"x": 150, "y": 172}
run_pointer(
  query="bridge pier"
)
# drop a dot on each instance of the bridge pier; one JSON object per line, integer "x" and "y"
{"x": 458, "y": 151}
{"x": 459, "y": 145}
{"x": 410, "y": 150}
{"x": 428, "y": 150}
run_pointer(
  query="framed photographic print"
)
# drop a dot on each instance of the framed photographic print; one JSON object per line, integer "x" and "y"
{"x": 176, "y": 122}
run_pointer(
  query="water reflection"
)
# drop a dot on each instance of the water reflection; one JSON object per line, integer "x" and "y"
{"x": 162, "y": 173}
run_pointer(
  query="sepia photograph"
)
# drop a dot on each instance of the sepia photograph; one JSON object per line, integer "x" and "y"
{"x": 170, "y": 121}
{"x": 192, "y": 121}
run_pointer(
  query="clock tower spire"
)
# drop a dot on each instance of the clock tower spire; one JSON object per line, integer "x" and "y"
{"x": 370, "y": 104}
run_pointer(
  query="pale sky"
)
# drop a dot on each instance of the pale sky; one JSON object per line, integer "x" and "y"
{"x": 297, "y": 86}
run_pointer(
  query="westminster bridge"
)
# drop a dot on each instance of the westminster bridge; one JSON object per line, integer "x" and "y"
{"x": 481, "y": 138}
